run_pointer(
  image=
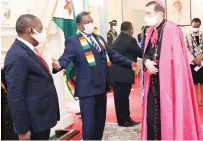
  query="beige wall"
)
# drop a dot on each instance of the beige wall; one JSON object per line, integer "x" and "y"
{"x": 133, "y": 11}
{"x": 94, "y": 13}
{"x": 130, "y": 8}
{"x": 113, "y": 12}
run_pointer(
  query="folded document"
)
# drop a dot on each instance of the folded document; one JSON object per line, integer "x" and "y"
{"x": 198, "y": 67}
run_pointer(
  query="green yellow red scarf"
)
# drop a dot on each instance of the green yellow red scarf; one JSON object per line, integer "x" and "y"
{"x": 91, "y": 61}
{"x": 88, "y": 51}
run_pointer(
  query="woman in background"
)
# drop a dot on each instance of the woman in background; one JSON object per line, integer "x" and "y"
{"x": 142, "y": 45}
{"x": 194, "y": 42}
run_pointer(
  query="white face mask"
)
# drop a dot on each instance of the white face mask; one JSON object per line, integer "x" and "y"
{"x": 39, "y": 37}
{"x": 114, "y": 26}
{"x": 195, "y": 30}
{"x": 89, "y": 28}
{"x": 151, "y": 21}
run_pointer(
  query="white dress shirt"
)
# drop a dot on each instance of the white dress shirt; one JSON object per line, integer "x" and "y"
{"x": 37, "y": 53}
{"x": 88, "y": 39}
{"x": 26, "y": 43}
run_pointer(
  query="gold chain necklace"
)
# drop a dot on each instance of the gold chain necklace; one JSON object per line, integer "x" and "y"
{"x": 156, "y": 45}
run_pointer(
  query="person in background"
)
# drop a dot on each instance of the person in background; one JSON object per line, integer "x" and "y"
{"x": 139, "y": 36}
{"x": 194, "y": 42}
{"x": 143, "y": 36}
{"x": 96, "y": 31}
{"x": 170, "y": 109}
{"x": 142, "y": 44}
{"x": 126, "y": 45}
{"x": 112, "y": 33}
{"x": 32, "y": 96}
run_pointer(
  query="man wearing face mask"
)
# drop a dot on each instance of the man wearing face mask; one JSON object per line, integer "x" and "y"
{"x": 126, "y": 45}
{"x": 194, "y": 42}
{"x": 32, "y": 95}
{"x": 92, "y": 59}
{"x": 170, "y": 112}
{"x": 112, "y": 33}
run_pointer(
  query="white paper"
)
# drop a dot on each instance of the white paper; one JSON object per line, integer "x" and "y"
{"x": 197, "y": 67}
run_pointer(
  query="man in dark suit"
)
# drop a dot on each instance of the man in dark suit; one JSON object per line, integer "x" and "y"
{"x": 140, "y": 34}
{"x": 32, "y": 95}
{"x": 126, "y": 45}
{"x": 90, "y": 55}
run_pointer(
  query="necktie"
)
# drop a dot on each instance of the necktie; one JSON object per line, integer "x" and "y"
{"x": 94, "y": 44}
{"x": 41, "y": 58}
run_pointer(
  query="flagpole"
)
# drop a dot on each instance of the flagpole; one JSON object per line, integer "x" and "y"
{"x": 49, "y": 27}
{"x": 84, "y": 5}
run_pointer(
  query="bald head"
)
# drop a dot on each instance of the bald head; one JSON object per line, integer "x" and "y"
{"x": 27, "y": 25}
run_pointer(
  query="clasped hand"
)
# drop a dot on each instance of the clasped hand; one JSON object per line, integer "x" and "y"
{"x": 56, "y": 64}
{"x": 135, "y": 67}
{"x": 198, "y": 60}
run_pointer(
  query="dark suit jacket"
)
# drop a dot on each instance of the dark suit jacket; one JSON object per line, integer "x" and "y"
{"x": 128, "y": 47}
{"x": 139, "y": 37}
{"x": 84, "y": 80}
{"x": 31, "y": 92}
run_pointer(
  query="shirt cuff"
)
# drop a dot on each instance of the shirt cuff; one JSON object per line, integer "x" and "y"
{"x": 130, "y": 64}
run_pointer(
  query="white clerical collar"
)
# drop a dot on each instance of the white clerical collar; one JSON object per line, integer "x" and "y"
{"x": 26, "y": 43}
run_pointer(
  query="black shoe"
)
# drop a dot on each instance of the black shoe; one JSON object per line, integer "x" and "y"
{"x": 130, "y": 119}
{"x": 133, "y": 122}
{"x": 127, "y": 124}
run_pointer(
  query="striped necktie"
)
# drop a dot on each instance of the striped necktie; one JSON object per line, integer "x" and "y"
{"x": 94, "y": 44}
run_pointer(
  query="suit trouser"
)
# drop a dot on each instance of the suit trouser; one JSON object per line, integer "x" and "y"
{"x": 121, "y": 98}
{"x": 43, "y": 135}
{"x": 93, "y": 112}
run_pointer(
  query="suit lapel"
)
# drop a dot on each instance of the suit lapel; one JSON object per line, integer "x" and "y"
{"x": 34, "y": 56}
